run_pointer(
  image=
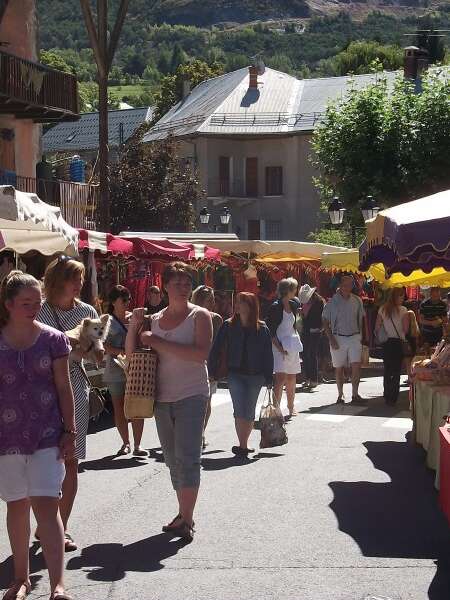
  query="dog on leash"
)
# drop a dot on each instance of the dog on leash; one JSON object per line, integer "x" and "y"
{"x": 89, "y": 338}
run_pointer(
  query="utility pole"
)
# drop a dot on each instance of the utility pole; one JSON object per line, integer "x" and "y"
{"x": 104, "y": 54}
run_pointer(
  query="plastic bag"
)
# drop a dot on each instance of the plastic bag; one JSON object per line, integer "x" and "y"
{"x": 271, "y": 421}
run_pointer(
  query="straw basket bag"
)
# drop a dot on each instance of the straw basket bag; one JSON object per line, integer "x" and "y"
{"x": 140, "y": 390}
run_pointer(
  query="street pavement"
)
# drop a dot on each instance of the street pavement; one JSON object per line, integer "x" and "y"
{"x": 345, "y": 511}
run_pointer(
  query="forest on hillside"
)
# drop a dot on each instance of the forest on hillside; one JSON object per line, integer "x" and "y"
{"x": 150, "y": 50}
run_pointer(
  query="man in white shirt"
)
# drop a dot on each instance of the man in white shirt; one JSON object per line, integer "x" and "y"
{"x": 343, "y": 323}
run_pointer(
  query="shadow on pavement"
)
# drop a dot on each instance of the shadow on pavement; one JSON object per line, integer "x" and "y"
{"x": 398, "y": 519}
{"x": 219, "y": 464}
{"x": 111, "y": 462}
{"x": 37, "y": 564}
{"x": 111, "y": 562}
{"x": 376, "y": 407}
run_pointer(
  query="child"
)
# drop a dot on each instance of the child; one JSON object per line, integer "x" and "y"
{"x": 37, "y": 430}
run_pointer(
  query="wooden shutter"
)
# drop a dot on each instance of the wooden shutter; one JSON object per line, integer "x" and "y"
{"x": 224, "y": 175}
{"x": 274, "y": 181}
{"x": 251, "y": 177}
{"x": 254, "y": 229}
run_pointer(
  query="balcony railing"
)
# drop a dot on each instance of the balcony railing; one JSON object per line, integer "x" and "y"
{"x": 236, "y": 188}
{"x": 78, "y": 201}
{"x": 30, "y": 90}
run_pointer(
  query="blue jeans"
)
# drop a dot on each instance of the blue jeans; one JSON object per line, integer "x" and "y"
{"x": 180, "y": 430}
{"x": 244, "y": 390}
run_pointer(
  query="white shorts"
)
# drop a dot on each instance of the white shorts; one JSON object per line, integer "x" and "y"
{"x": 28, "y": 475}
{"x": 349, "y": 351}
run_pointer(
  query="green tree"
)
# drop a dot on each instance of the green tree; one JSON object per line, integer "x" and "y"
{"x": 88, "y": 94}
{"x": 363, "y": 57}
{"x": 53, "y": 59}
{"x": 391, "y": 143}
{"x": 178, "y": 58}
{"x": 151, "y": 188}
{"x": 171, "y": 88}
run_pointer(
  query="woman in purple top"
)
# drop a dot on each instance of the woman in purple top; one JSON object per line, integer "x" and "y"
{"x": 37, "y": 429}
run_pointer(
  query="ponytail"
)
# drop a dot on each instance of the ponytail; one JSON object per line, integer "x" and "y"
{"x": 10, "y": 287}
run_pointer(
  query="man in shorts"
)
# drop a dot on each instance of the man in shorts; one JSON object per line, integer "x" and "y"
{"x": 343, "y": 322}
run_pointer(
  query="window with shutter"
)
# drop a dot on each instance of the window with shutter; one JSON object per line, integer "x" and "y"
{"x": 251, "y": 177}
{"x": 274, "y": 181}
{"x": 254, "y": 229}
{"x": 224, "y": 175}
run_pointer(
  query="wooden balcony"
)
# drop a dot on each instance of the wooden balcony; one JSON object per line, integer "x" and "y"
{"x": 78, "y": 201}
{"x": 29, "y": 90}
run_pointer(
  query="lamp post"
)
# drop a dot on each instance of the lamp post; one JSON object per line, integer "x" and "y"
{"x": 337, "y": 210}
{"x": 224, "y": 216}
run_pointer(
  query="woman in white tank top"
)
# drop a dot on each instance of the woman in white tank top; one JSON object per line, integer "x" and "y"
{"x": 181, "y": 334}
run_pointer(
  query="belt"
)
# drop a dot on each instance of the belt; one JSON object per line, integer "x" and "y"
{"x": 351, "y": 335}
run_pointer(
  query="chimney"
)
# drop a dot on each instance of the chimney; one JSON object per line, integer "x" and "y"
{"x": 185, "y": 87}
{"x": 253, "y": 78}
{"x": 415, "y": 62}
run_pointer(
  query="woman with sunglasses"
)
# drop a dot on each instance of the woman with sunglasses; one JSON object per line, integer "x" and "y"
{"x": 114, "y": 376}
{"x": 63, "y": 310}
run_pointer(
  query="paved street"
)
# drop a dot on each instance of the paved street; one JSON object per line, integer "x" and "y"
{"x": 345, "y": 511}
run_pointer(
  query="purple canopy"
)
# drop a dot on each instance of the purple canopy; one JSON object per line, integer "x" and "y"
{"x": 414, "y": 235}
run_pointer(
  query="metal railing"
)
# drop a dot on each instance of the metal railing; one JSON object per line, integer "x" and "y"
{"x": 78, "y": 201}
{"x": 34, "y": 85}
{"x": 236, "y": 188}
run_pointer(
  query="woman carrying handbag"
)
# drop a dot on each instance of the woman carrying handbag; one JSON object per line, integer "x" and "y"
{"x": 244, "y": 344}
{"x": 181, "y": 335}
{"x": 391, "y": 327}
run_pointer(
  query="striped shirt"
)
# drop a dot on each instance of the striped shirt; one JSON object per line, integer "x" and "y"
{"x": 69, "y": 319}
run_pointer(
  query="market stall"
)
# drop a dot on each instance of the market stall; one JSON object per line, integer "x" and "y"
{"x": 135, "y": 262}
{"x": 410, "y": 236}
{"x": 28, "y": 224}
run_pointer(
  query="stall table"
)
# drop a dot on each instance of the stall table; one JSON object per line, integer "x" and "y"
{"x": 431, "y": 403}
{"x": 444, "y": 492}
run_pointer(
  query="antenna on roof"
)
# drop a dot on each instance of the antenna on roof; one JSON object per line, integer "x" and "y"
{"x": 258, "y": 62}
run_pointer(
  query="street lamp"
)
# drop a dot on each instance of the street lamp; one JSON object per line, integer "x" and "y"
{"x": 204, "y": 216}
{"x": 225, "y": 216}
{"x": 369, "y": 208}
{"x": 336, "y": 210}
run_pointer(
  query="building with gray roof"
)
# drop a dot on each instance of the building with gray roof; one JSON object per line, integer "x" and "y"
{"x": 81, "y": 137}
{"x": 249, "y": 134}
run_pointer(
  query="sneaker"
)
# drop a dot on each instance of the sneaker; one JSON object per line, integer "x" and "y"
{"x": 358, "y": 401}
{"x": 140, "y": 452}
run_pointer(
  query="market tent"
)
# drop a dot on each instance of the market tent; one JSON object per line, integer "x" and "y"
{"x": 349, "y": 261}
{"x": 104, "y": 243}
{"x": 146, "y": 246}
{"x": 411, "y": 236}
{"x": 287, "y": 250}
{"x": 27, "y": 223}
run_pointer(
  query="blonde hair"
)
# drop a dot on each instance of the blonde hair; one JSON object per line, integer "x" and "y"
{"x": 286, "y": 285}
{"x": 391, "y": 305}
{"x": 58, "y": 273}
{"x": 10, "y": 287}
{"x": 201, "y": 293}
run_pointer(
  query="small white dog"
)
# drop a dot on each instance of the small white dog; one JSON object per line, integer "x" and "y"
{"x": 90, "y": 336}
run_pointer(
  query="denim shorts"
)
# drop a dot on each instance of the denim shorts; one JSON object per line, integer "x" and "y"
{"x": 244, "y": 390}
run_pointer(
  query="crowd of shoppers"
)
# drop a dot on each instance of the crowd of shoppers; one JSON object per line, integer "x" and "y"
{"x": 47, "y": 394}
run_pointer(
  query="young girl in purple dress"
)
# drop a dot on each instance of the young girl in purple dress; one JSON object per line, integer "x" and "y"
{"x": 37, "y": 429}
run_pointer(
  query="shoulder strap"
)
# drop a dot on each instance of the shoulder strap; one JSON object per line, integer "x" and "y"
{"x": 396, "y": 330}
